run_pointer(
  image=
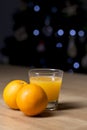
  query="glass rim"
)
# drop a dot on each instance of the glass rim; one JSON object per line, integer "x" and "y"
{"x": 43, "y": 70}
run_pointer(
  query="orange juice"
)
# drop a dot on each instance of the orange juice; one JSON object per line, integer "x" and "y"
{"x": 51, "y": 85}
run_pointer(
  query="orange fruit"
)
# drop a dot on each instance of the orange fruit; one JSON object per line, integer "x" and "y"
{"x": 31, "y": 100}
{"x": 10, "y": 92}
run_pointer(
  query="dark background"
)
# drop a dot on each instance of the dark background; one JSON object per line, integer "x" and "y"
{"x": 44, "y": 34}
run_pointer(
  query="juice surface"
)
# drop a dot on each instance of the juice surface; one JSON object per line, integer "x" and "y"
{"x": 51, "y": 85}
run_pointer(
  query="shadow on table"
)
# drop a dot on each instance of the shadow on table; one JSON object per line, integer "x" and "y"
{"x": 63, "y": 106}
{"x": 71, "y": 105}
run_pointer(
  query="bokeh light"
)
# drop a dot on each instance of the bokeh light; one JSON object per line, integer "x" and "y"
{"x": 72, "y": 32}
{"x": 36, "y": 32}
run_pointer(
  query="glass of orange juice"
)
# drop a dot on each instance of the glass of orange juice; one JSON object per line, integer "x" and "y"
{"x": 51, "y": 81}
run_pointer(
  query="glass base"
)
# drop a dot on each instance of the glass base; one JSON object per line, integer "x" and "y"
{"x": 52, "y": 105}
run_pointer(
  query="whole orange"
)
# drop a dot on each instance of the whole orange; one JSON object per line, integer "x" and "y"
{"x": 10, "y": 92}
{"x": 31, "y": 100}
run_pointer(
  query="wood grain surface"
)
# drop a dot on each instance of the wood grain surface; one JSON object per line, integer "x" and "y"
{"x": 72, "y": 112}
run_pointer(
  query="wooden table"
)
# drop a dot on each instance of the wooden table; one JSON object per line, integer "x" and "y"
{"x": 72, "y": 113}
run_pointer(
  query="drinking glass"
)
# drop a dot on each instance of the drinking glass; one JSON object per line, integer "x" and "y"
{"x": 51, "y": 81}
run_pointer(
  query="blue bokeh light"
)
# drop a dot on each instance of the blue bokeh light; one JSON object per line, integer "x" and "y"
{"x": 36, "y": 8}
{"x": 76, "y": 65}
{"x": 36, "y": 32}
{"x": 72, "y": 32}
{"x": 60, "y": 32}
{"x": 59, "y": 45}
{"x": 81, "y": 33}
